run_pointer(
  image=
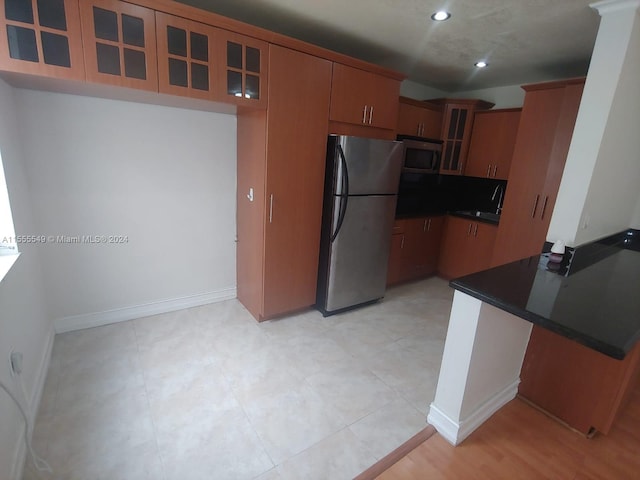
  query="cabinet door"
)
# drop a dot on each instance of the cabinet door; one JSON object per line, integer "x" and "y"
{"x": 41, "y": 37}
{"x": 119, "y": 42}
{"x": 456, "y": 134}
{"x": 363, "y": 98}
{"x": 186, "y": 57}
{"x": 409, "y": 119}
{"x": 483, "y": 239}
{"x": 243, "y": 75}
{"x": 299, "y": 91}
{"x": 493, "y": 139}
{"x": 435, "y": 227}
{"x": 431, "y": 123}
{"x": 454, "y": 259}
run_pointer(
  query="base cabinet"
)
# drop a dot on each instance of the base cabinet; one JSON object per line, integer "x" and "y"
{"x": 280, "y": 186}
{"x": 466, "y": 247}
{"x": 580, "y": 386}
{"x": 415, "y": 245}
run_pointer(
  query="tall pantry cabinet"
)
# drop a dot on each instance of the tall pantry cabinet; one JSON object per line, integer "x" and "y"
{"x": 542, "y": 144}
{"x": 281, "y": 161}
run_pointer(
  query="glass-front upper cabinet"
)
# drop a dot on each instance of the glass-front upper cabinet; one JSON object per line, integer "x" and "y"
{"x": 243, "y": 76}
{"x": 41, "y": 37}
{"x": 187, "y": 59}
{"x": 119, "y": 44}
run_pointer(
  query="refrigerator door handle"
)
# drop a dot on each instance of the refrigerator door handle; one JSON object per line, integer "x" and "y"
{"x": 344, "y": 197}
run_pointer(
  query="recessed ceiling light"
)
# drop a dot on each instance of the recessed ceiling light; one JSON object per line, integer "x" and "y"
{"x": 441, "y": 16}
{"x": 481, "y": 64}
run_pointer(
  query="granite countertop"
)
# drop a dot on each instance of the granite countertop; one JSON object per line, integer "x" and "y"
{"x": 592, "y": 298}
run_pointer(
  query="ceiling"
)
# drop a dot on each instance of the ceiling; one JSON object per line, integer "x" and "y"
{"x": 523, "y": 41}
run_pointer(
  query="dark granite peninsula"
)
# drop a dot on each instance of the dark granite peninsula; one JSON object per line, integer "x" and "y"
{"x": 565, "y": 336}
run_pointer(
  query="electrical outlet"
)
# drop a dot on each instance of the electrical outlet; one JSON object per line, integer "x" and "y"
{"x": 15, "y": 360}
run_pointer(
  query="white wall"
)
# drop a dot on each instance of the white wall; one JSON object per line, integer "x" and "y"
{"x": 419, "y": 91}
{"x": 163, "y": 177}
{"x": 635, "y": 223}
{"x": 24, "y": 323}
{"x": 599, "y": 189}
{"x": 510, "y": 96}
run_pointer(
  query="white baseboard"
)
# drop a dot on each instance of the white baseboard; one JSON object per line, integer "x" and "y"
{"x": 88, "y": 320}
{"x": 456, "y": 431}
{"x": 34, "y": 404}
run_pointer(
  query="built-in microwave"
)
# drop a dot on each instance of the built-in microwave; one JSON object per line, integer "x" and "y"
{"x": 421, "y": 155}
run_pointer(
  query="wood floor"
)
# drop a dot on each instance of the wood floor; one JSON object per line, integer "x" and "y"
{"x": 520, "y": 442}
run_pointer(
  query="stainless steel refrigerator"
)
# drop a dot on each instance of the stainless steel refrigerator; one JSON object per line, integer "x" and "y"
{"x": 360, "y": 193}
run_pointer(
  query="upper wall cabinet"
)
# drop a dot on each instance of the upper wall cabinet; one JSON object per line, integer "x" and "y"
{"x": 456, "y": 132}
{"x": 187, "y": 60}
{"x": 242, "y": 77}
{"x": 119, "y": 44}
{"x": 419, "y": 118}
{"x": 363, "y": 98}
{"x": 493, "y": 139}
{"x": 41, "y": 37}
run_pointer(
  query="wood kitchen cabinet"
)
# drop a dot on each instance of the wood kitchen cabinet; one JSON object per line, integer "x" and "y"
{"x": 119, "y": 41}
{"x": 41, "y": 38}
{"x": 187, "y": 62}
{"x": 363, "y": 98}
{"x": 456, "y": 132}
{"x": 243, "y": 76}
{"x": 280, "y": 186}
{"x": 580, "y": 386}
{"x": 467, "y": 246}
{"x": 493, "y": 138}
{"x": 420, "y": 119}
{"x": 542, "y": 143}
{"x": 415, "y": 244}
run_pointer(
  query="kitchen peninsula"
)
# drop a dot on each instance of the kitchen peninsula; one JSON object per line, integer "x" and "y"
{"x": 571, "y": 332}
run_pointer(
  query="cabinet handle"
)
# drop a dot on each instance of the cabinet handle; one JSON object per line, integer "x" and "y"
{"x": 424, "y": 225}
{"x": 364, "y": 115}
{"x": 469, "y": 231}
{"x": 495, "y": 170}
{"x": 544, "y": 207}
{"x": 429, "y": 226}
{"x": 418, "y": 130}
{"x": 535, "y": 206}
{"x": 270, "y": 208}
{"x": 475, "y": 231}
{"x": 488, "y": 171}
{"x": 370, "y": 114}
{"x": 402, "y": 243}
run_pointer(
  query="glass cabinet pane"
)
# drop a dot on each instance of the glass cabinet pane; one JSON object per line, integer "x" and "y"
{"x": 135, "y": 65}
{"x": 178, "y": 72}
{"x": 55, "y": 49}
{"x": 252, "y": 89}
{"x": 253, "y": 59}
{"x": 51, "y": 14}
{"x": 177, "y": 41}
{"x": 19, "y": 11}
{"x": 461, "y": 123}
{"x": 105, "y": 24}
{"x": 108, "y": 59}
{"x": 132, "y": 30}
{"x": 199, "y": 47}
{"x": 234, "y": 83}
{"x": 22, "y": 43}
{"x": 453, "y": 123}
{"x": 199, "y": 76}
{"x": 234, "y": 55}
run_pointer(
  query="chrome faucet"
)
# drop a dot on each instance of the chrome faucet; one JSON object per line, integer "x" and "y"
{"x": 499, "y": 188}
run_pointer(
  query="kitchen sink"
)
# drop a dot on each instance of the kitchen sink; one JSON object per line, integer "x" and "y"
{"x": 494, "y": 217}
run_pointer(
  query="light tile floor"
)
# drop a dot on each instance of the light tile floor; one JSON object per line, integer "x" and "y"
{"x": 209, "y": 393}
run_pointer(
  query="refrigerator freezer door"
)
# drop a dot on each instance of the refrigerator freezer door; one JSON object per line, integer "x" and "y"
{"x": 359, "y": 254}
{"x": 373, "y": 166}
